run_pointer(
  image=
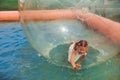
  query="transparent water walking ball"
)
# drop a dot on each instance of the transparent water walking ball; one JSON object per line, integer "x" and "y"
{"x": 50, "y": 25}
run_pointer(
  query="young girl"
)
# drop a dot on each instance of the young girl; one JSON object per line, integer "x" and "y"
{"x": 77, "y": 53}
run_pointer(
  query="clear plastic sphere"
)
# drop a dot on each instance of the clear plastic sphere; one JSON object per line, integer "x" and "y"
{"x": 50, "y": 25}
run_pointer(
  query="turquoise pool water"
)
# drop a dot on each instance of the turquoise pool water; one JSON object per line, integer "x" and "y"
{"x": 19, "y": 61}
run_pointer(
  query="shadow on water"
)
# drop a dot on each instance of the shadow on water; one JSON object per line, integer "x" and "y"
{"x": 59, "y": 56}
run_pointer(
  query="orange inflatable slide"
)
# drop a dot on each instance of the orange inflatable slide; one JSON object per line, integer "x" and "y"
{"x": 107, "y": 27}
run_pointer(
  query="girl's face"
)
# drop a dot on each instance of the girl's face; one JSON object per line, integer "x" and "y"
{"x": 81, "y": 49}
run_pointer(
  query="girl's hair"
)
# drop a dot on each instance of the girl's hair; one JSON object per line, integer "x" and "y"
{"x": 82, "y": 43}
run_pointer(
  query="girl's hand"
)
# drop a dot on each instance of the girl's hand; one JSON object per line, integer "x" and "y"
{"x": 77, "y": 67}
{"x": 73, "y": 66}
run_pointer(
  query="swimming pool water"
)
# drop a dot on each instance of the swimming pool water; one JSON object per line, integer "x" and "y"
{"x": 19, "y": 61}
